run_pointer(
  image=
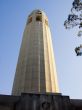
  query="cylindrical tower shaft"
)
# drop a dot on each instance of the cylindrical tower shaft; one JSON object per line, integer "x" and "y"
{"x": 36, "y": 69}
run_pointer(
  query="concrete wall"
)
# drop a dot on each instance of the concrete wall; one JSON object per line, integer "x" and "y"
{"x": 43, "y": 101}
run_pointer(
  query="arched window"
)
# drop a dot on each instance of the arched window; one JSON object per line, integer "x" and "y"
{"x": 39, "y": 18}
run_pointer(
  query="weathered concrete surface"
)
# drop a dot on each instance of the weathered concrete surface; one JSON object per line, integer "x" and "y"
{"x": 42, "y": 101}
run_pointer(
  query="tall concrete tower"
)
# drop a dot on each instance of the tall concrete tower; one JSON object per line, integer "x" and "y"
{"x": 36, "y": 69}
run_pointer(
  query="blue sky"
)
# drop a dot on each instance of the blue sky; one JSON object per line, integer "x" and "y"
{"x": 13, "y": 17}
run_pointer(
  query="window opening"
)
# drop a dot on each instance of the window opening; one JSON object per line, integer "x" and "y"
{"x": 30, "y": 20}
{"x": 39, "y": 18}
{"x": 46, "y": 22}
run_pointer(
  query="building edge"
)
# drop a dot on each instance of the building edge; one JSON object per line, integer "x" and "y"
{"x": 39, "y": 101}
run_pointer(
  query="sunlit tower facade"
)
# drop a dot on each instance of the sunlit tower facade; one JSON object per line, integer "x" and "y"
{"x": 36, "y": 69}
{"x": 35, "y": 84}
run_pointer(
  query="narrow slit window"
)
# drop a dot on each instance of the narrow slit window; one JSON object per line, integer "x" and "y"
{"x": 30, "y": 20}
{"x": 46, "y": 22}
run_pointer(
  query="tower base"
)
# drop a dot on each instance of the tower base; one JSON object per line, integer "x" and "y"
{"x": 39, "y": 101}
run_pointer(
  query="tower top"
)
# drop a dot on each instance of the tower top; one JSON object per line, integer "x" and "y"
{"x": 37, "y": 11}
{"x": 37, "y": 15}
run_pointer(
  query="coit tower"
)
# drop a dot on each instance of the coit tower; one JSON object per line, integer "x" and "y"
{"x": 36, "y": 69}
